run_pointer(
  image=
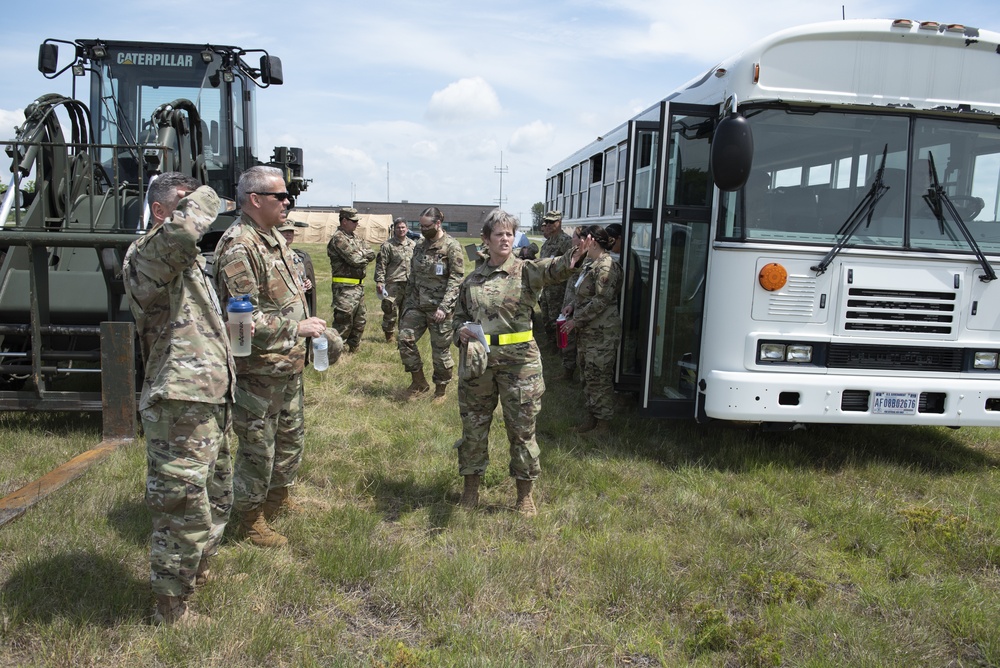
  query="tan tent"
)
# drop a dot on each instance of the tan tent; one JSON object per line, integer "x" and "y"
{"x": 373, "y": 228}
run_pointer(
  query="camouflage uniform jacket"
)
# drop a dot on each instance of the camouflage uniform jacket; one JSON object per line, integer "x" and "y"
{"x": 502, "y": 299}
{"x": 597, "y": 293}
{"x": 349, "y": 255}
{"x": 556, "y": 245}
{"x": 428, "y": 290}
{"x": 393, "y": 262}
{"x": 250, "y": 261}
{"x": 182, "y": 335}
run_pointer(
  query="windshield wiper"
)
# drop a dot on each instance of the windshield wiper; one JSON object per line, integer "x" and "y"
{"x": 939, "y": 202}
{"x": 863, "y": 211}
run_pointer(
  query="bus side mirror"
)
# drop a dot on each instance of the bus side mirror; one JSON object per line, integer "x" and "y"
{"x": 270, "y": 70}
{"x": 732, "y": 152}
{"x": 48, "y": 58}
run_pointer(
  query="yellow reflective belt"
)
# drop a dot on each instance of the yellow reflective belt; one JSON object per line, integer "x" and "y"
{"x": 349, "y": 281}
{"x": 513, "y": 337}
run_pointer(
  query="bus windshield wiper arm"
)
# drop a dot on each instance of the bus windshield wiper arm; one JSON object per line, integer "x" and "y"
{"x": 939, "y": 202}
{"x": 863, "y": 211}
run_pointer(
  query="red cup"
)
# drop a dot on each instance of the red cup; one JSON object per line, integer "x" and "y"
{"x": 562, "y": 337}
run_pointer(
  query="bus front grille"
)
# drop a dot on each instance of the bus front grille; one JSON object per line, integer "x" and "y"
{"x": 855, "y": 356}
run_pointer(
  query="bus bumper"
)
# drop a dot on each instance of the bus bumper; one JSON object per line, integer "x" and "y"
{"x": 787, "y": 397}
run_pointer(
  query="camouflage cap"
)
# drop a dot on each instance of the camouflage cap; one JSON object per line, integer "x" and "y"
{"x": 287, "y": 227}
{"x": 472, "y": 361}
{"x": 349, "y": 213}
{"x": 335, "y": 344}
{"x": 552, "y": 217}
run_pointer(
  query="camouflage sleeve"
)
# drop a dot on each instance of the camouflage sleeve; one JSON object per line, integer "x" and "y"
{"x": 549, "y": 271}
{"x": 456, "y": 270}
{"x": 237, "y": 273}
{"x": 171, "y": 249}
{"x": 461, "y": 314}
{"x": 381, "y": 262}
{"x": 353, "y": 255}
{"x": 607, "y": 283}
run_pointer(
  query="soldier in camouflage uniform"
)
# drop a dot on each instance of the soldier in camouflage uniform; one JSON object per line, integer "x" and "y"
{"x": 599, "y": 328}
{"x": 251, "y": 259}
{"x": 392, "y": 270}
{"x": 303, "y": 264}
{"x": 569, "y": 353}
{"x": 435, "y": 274}
{"x": 187, "y": 392}
{"x": 500, "y": 295}
{"x": 556, "y": 243}
{"x": 349, "y": 257}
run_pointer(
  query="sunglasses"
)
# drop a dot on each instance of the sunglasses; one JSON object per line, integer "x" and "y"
{"x": 281, "y": 197}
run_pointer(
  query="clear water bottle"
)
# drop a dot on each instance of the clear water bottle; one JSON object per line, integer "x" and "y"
{"x": 321, "y": 360}
{"x": 240, "y": 310}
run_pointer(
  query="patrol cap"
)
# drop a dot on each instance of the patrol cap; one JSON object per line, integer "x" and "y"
{"x": 335, "y": 344}
{"x": 472, "y": 363}
{"x": 349, "y": 213}
{"x": 287, "y": 227}
{"x": 552, "y": 217}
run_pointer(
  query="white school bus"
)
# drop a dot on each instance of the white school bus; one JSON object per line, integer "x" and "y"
{"x": 811, "y": 230}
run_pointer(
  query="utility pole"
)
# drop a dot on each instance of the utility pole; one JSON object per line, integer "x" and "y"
{"x": 387, "y": 182}
{"x": 501, "y": 170}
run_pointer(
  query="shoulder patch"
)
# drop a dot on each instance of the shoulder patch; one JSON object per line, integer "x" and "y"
{"x": 236, "y": 267}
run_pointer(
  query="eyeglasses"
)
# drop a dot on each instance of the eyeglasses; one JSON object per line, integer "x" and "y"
{"x": 281, "y": 197}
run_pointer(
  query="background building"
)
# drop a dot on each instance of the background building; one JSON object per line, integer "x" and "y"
{"x": 459, "y": 219}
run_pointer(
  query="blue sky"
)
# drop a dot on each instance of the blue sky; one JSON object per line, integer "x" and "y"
{"x": 418, "y": 100}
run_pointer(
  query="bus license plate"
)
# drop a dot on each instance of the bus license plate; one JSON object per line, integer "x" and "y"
{"x": 894, "y": 403}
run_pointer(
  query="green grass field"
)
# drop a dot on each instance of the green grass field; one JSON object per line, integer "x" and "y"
{"x": 664, "y": 544}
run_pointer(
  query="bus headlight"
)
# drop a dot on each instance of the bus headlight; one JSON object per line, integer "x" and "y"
{"x": 799, "y": 353}
{"x": 772, "y": 352}
{"x": 985, "y": 360}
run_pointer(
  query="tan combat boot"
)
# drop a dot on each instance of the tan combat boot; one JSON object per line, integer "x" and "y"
{"x": 417, "y": 387}
{"x": 470, "y": 495}
{"x": 204, "y": 573}
{"x": 258, "y": 530}
{"x": 602, "y": 428}
{"x": 173, "y": 610}
{"x": 279, "y": 501}
{"x": 588, "y": 425}
{"x": 525, "y": 504}
{"x": 388, "y": 337}
{"x": 440, "y": 391}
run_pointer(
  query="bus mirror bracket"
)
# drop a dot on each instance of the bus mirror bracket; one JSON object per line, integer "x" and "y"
{"x": 732, "y": 150}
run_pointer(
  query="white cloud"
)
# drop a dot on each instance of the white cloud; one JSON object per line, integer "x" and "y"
{"x": 352, "y": 160}
{"x": 8, "y": 121}
{"x": 464, "y": 100}
{"x": 425, "y": 149}
{"x": 531, "y": 137}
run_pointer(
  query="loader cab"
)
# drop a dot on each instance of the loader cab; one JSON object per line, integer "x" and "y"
{"x": 159, "y": 107}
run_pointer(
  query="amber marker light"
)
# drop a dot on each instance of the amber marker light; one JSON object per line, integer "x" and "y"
{"x": 772, "y": 277}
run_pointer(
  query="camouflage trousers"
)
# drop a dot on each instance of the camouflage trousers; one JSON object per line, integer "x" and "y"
{"x": 596, "y": 356}
{"x": 268, "y": 420}
{"x": 551, "y": 305}
{"x": 519, "y": 388}
{"x": 392, "y": 307}
{"x": 189, "y": 488}
{"x": 412, "y": 326}
{"x": 349, "y": 313}
{"x": 569, "y": 353}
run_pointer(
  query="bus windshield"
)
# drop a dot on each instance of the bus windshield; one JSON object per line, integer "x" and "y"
{"x": 811, "y": 169}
